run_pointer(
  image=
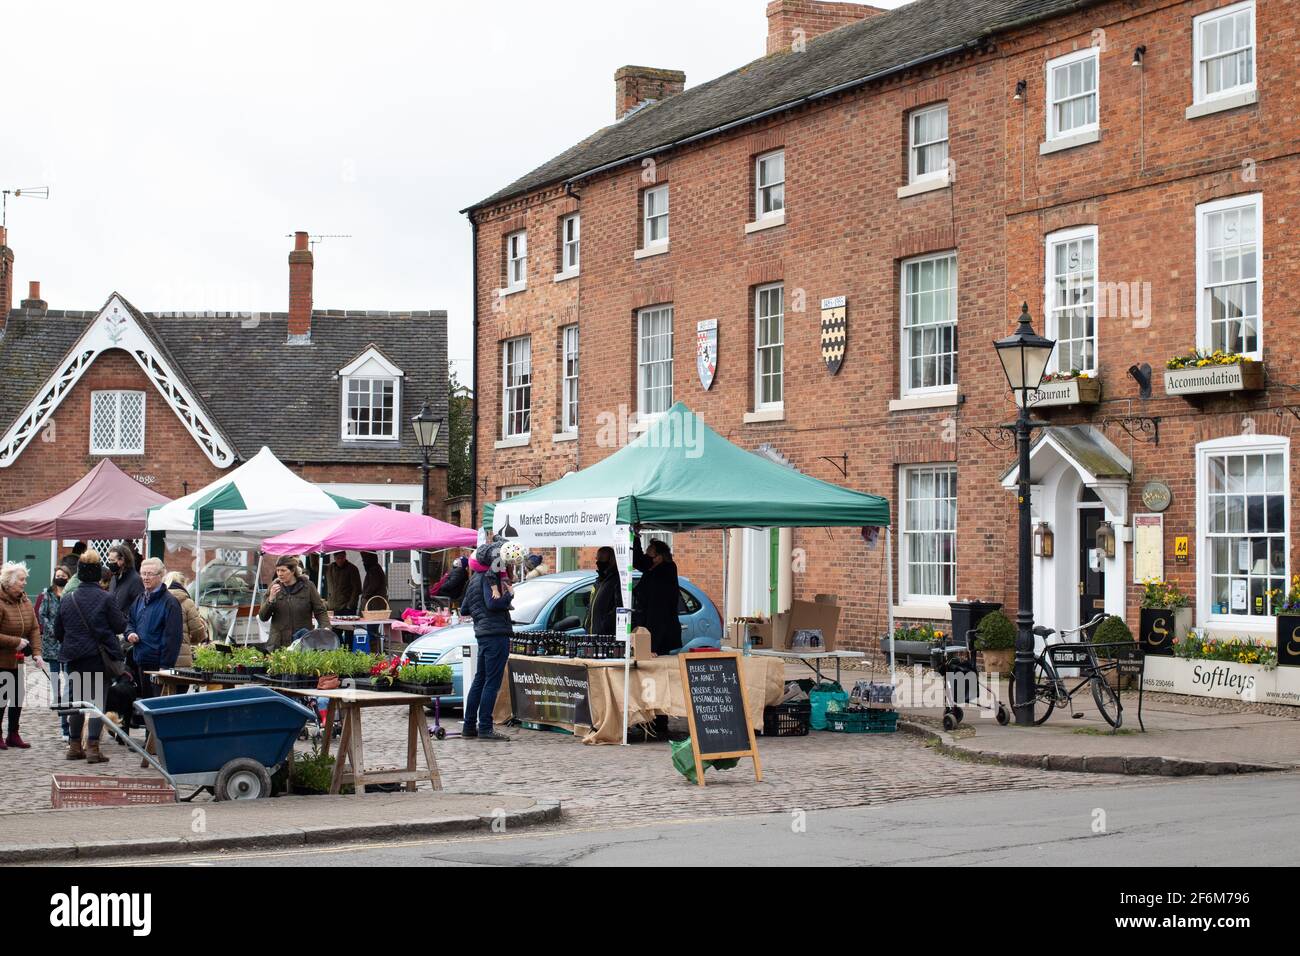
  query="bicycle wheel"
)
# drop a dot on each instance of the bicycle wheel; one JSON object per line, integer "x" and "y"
{"x": 1044, "y": 690}
{"x": 1047, "y": 690}
{"x": 1107, "y": 701}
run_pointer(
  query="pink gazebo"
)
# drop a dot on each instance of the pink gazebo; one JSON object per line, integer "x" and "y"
{"x": 105, "y": 503}
{"x": 373, "y": 528}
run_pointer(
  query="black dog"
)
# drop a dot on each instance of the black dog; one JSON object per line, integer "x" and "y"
{"x": 119, "y": 697}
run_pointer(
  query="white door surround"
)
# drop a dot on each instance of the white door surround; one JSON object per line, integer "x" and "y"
{"x": 1063, "y": 462}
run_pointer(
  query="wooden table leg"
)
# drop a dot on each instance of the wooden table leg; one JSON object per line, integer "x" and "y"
{"x": 412, "y": 728}
{"x": 358, "y": 754}
{"x": 331, "y": 711}
{"x": 422, "y": 728}
{"x": 336, "y": 783}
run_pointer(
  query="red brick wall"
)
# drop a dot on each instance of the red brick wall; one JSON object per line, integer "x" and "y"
{"x": 846, "y": 231}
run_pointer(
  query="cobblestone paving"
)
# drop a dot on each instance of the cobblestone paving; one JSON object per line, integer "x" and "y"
{"x": 610, "y": 785}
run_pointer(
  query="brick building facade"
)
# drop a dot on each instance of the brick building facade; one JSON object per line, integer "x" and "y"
{"x": 176, "y": 400}
{"x": 1127, "y": 169}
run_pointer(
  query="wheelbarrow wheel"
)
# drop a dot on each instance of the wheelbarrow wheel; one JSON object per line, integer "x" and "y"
{"x": 242, "y": 779}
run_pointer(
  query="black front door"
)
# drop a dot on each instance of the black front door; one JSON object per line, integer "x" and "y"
{"x": 1092, "y": 584}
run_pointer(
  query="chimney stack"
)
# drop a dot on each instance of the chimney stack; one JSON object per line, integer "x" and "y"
{"x": 634, "y": 85}
{"x": 34, "y": 300}
{"x": 792, "y": 23}
{"x": 6, "y": 279}
{"x": 300, "y": 266}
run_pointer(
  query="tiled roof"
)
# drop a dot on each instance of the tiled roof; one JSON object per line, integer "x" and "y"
{"x": 258, "y": 389}
{"x": 871, "y": 47}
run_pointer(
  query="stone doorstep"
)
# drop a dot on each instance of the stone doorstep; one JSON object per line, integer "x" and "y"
{"x": 1075, "y": 763}
{"x": 543, "y": 811}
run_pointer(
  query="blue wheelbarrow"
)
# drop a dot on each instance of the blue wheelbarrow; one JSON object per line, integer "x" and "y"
{"x": 229, "y": 741}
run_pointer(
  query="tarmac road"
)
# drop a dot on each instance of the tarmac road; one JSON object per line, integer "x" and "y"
{"x": 1206, "y": 821}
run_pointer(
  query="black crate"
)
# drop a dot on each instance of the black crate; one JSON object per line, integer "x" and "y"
{"x": 790, "y": 719}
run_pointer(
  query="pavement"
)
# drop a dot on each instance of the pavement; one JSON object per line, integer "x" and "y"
{"x": 1182, "y": 738}
{"x": 49, "y": 836}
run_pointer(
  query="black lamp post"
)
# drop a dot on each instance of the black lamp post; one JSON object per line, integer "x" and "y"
{"x": 1024, "y": 355}
{"x": 426, "y": 427}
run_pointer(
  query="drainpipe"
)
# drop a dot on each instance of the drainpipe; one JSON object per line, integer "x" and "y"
{"x": 473, "y": 434}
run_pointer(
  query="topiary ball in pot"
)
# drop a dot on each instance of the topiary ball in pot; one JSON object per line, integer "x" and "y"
{"x": 995, "y": 638}
{"x": 1113, "y": 630}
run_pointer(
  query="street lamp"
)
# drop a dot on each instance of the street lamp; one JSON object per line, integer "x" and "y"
{"x": 1024, "y": 355}
{"x": 426, "y": 426}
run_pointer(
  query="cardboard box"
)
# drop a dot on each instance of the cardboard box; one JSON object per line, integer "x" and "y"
{"x": 806, "y": 615}
{"x": 641, "y": 644}
{"x": 777, "y": 633}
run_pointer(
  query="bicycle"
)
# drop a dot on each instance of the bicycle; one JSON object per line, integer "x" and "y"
{"x": 1049, "y": 686}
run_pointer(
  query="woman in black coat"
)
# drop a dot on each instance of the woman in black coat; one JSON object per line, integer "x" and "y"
{"x": 87, "y": 627}
{"x": 655, "y": 597}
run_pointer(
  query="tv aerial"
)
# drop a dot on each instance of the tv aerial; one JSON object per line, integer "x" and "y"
{"x": 29, "y": 192}
{"x": 312, "y": 240}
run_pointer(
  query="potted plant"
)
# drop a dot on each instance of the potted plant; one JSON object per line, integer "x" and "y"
{"x": 1200, "y": 372}
{"x": 285, "y": 668}
{"x": 312, "y": 773}
{"x": 383, "y": 673}
{"x": 1166, "y": 612}
{"x": 1111, "y": 631}
{"x": 1286, "y": 608}
{"x": 995, "y": 638}
{"x": 433, "y": 680}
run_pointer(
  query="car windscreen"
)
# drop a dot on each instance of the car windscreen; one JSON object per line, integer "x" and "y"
{"x": 531, "y": 597}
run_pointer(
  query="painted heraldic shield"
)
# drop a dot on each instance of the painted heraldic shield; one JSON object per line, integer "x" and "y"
{"x": 706, "y": 351}
{"x": 835, "y": 331}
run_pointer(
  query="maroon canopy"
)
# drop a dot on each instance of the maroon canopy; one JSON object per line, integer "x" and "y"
{"x": 105, "y": 503}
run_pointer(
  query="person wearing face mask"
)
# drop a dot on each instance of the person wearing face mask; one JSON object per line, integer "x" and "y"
{"x": 47, "y": 612}
{"x": 655, "y": 597}
{"x": 606, "y": 595}
{"x": 126, "y": 586}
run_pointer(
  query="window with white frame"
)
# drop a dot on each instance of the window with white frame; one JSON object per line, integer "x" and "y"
{"x": 569, "y": 390}
{"x": 570, "y": 243}
{"x": 371, "y": 398}
{"x": 1072, "y": 94}
{"x": 927, "y": 144}
{"x": 371, "y": 408}
{"x": 517, "y": 260}
{"x": 1072, "y": 298}
{"x": 929, "y": 336}
{"x": 655, "y": 228}
{"x": 117, "y": 423}
{"x": 769, "y": 184}
{"x": 769, "y": 341}
{"x": 928, "y": 544}
{"x": 1224, "y": 42}
{"x": 1243, "y": 501}
{"x": 513, "y": 491}
{"x": 654, "y": 360}
{"x": 1229, "y": 256}
{"x": 517, "y": 386}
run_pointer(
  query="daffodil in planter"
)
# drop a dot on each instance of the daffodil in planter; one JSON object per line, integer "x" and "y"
{"x": 1074, "y": 387}
{"x": 1200, "y": 373}
{"x": 1166, "y": 613}
{"x": 1286, "y": 608}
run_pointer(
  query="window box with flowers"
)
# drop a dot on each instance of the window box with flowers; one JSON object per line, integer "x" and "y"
{"x": 1231, "y": 668}
{"x": 1066, "y": 388}
{"x": 1203, "y": 373}
{"x": 911, "y": 643}
{"x": 1286, "y": 608}
{"x": 1166, "y": 613}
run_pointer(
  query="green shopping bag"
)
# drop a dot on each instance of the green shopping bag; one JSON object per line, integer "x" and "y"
{"x": 823, "y": 697}
{"x": 684, "y": 760}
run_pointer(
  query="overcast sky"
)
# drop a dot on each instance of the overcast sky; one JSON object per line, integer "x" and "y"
{"x": 183, "y": 141}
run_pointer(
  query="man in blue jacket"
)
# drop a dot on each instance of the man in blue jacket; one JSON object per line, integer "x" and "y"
{"x": 487, "y": 600}
{"x": 155, "y": 625}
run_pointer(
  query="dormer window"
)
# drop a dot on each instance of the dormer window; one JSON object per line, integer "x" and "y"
{"x": 372, "y": 393}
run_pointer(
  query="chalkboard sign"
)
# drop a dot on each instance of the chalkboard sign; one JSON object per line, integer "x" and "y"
{"x": 716, "y": 708}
